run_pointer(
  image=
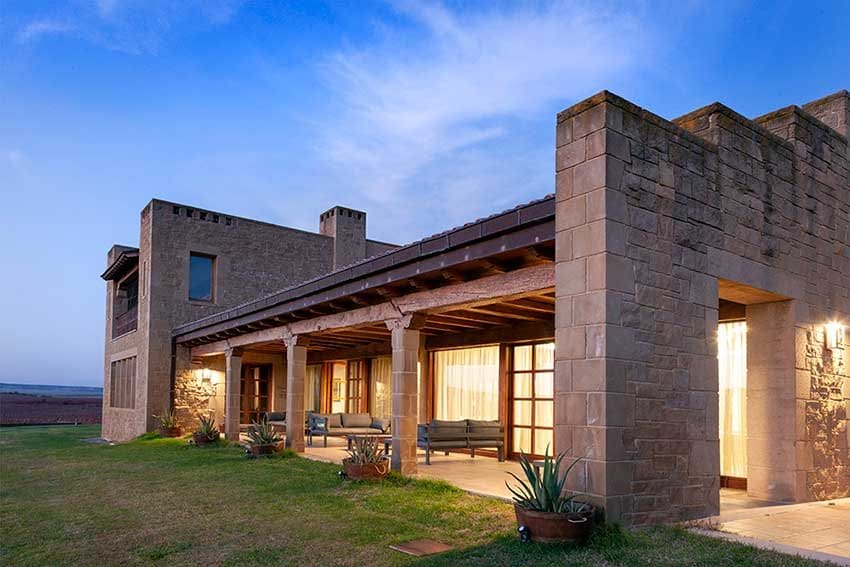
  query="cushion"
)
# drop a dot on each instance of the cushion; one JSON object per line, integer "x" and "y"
{"x": 484, "y": 429}
{"x": 378, "y": 423}
{"x": 447, "y": 430}
{"x": 356, "y": 420}
{"x": 276, "y": 416}
{"x": 334, "y": 420}
{"x": 488, "y": 442}
{"x": 318, "y": 421}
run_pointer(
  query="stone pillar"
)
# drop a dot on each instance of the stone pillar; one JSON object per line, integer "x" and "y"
{"x": 296, "y": 376}
{"x": 232, "y": 392}
{"x": 771, "y": 404}
{"x": 405, "y": 343}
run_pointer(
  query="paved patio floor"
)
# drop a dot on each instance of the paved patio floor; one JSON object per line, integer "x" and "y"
{"x": 484, "y": 476}
{"x": 822, "y": 527}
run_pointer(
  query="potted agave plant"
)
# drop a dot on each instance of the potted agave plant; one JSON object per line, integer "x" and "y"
{"x": 168, "y": 425}
{"x": 263, "y": 439}
{"x": 207, "y": 432}
{"x": 544, "y": 512}
{"x": 366, "y": 459}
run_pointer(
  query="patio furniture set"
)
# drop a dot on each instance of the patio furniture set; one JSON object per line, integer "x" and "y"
{"x": 439, "y": 435}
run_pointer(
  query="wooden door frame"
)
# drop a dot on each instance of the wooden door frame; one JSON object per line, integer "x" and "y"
{"x": 269, "y": 378}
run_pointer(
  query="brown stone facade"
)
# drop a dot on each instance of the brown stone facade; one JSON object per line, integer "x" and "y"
{"x": 252, "y": 259}
{"x": 656, "y": 220}
{"x": 824, "y": 367}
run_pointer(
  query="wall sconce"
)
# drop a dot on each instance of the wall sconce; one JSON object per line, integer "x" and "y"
{"x": 204, "y": 375}
{"x": 834, "y": 334}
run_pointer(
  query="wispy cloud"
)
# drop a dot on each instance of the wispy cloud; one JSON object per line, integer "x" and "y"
{"x": 431, "y": 115}
{"x": 130, "y": 26}
{"x": 39, "y": 28}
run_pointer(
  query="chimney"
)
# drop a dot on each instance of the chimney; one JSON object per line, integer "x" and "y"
{"x": 348, "y": 229}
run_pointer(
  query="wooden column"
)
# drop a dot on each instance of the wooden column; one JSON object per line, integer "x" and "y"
{"x": 296, "y": 377}
{"x": 405, "y": 343}
{"x": 232, "y": 392}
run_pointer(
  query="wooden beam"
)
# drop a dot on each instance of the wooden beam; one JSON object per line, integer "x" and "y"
{"x": 530, "y": 304}
{"x": 507, "y": 311}
{"x": 530, "y": 331}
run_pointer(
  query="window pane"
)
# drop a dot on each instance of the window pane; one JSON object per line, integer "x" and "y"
{"x": 522, "y": 385}
{"x": 521, "y": 440}
{"x": 544, "y": 356}
{"x": 522, "y": 413}
{"x": 544, "y": 385}
{"x": 522, "y": 357}
{"x": 200, "y": 277}
{"x": 544, "y": 413}
{"x": 543, "y": 439}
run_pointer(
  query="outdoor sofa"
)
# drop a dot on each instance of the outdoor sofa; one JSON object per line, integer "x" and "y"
{"x": 340, "y": 424}
{"x": 471, "y": 434}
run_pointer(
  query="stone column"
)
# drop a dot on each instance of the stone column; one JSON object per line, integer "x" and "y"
{"x": 232, "y": 392}
{"x": 296, "y": 376}
{"x": 405, "y": 343}
{"x": 772, "y": 435}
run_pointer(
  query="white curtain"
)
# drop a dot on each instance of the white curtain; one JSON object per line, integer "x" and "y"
{"x": 381, "y": 375}
{"x": 732, "y": 366}
{"x": 466, "y": 383}
{"x": 311, "y": 387}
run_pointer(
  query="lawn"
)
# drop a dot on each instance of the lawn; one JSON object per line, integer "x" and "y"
{"x": 162, "y": 502}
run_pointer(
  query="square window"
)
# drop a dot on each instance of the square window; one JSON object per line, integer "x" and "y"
{"x": 201, "y": 277}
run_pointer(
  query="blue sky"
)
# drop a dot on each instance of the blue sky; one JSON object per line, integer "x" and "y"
{"x": 426, "y": 115}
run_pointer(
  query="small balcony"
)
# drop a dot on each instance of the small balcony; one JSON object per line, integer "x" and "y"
{"x": 124, "y": 323}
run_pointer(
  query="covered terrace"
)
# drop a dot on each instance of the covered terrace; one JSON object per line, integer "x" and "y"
{"x": 459, "y": 325}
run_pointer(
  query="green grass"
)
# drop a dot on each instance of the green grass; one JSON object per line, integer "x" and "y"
{"x": 162, "y": 502}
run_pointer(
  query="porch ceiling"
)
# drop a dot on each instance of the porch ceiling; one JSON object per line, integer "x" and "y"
{"x": 539, "y": 307}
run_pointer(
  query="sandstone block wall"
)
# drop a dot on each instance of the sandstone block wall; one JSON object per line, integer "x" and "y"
{"x": 252, "y": 259}
{"x": 653, "y": 219}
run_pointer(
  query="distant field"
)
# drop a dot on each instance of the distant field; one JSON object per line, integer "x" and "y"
{"x": 51, "y": 390}
{"x": 24, "y": 404}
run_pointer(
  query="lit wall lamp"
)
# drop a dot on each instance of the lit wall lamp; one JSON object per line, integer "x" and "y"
{"x": 834, "y": 332}
{"x": 206, "y": 376}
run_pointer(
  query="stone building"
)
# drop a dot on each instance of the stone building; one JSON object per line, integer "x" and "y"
{"x": 149, "y": 293}
{"x": 675, "y": 314}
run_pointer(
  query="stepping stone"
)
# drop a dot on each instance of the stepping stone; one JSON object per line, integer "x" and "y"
{"x": 96, "y": 441}
{"x": 421, "y": 547}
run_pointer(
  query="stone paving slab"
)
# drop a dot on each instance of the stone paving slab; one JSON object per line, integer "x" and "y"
{"x": 812, "y": 527}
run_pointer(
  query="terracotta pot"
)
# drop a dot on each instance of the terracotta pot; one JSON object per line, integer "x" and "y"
{"x": 201, "y": 440}
{"x": 170, "y": 432}
{"x": 264, "y": 450}
{"x": 365, "y": 471}
{"x": 549, "y": 527}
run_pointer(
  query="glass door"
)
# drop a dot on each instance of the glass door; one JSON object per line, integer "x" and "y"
{"x": 531, "y": 380}
{"x": 338, "y": 387}
{"x": 254, "y": 402}
{"x": 356, "y": 387}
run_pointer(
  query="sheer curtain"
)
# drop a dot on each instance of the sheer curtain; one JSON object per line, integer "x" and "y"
{"x": 381, "y": 375}
{"x": 311, "y": 387}
{"x": 732, "y": 371}
{"x": 466, "y": 383}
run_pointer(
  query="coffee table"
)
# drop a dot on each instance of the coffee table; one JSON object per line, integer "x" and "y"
{"x": 387, "y": 440}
